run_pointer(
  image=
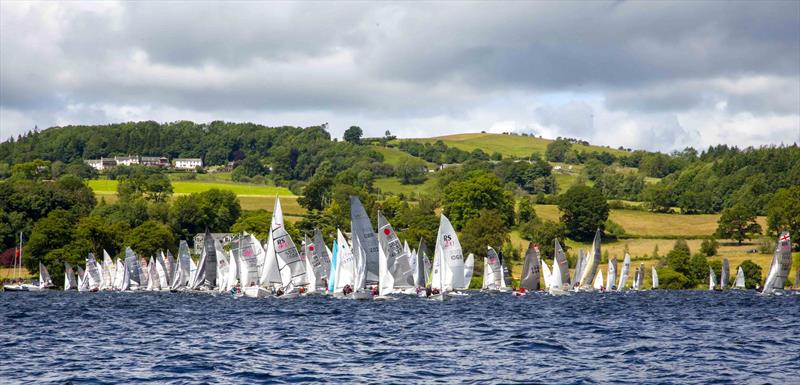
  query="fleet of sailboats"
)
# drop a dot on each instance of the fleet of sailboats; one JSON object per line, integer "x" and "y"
{"x": 372, "y": 263}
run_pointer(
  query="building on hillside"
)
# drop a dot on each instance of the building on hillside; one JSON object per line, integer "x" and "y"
{"x": 200, "y": 238}
{"x": 127, "y": 160}
{"x": 101, "y": 164}
{"x": 155, "y": 161}
{"x": 187, "y": 163}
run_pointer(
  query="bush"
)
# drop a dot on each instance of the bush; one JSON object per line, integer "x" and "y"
{"x": 672, "y": 280}
{"x": 613, "y": 229}
{"x": 709, "y": 247}
{"x": 752, "y": 274}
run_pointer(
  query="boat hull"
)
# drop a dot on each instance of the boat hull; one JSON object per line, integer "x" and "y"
{"x": 256, "y": 292}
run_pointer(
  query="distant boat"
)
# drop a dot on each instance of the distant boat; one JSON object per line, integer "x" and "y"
{"x": 363, "y": 236}
{"x": 579, "y": 265}
{"x": 547, "y": 275}
{"x": 16, "y": 283}
{"x": 449, "y": 274}
{"x": 655, "y": 277}
{"x": 739, "y": 284}
{"x": 563, "y": 268}
{"x": 345, "y": 270}
{"x": 598, "y": 281}
{"x": 70, "y": 283}
{"x": 421, "y": 269}
{"x": 530, "y": 268}
{"x": 397, "y": 255}
{"x": 781, "y": 265}
{"x": 493, "y": 272}
{"x": 556, "y": 284}
{"x": 589, "y": 268}
{"x": 611, "y": 274}
{"x": 712, "y": 279}
{"x": 623, "y": 276}
{"x": 469, "y": 265}
{"x": 638, "y": 278}
{"x": 723, "y": 275}
{"x": 44, "y": 278}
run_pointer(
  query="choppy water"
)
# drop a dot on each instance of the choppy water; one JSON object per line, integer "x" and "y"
{"x": 648, "y": 337}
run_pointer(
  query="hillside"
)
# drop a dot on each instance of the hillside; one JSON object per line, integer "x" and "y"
{"x": 508, "y": 145}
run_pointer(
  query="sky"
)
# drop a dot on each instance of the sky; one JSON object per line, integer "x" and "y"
{"x": 648, "y": 75}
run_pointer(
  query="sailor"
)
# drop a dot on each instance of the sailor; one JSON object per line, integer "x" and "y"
{"x": 347, "y": 289}
{"x": 279, "y": 292}
{"x": 375, "y": 291}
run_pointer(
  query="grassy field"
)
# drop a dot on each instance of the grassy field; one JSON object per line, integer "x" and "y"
{"x": 394, "y": 156}
{"x": 188, "y": 187}
{"x": 508, "y": 145}
{"x": 7, "y": 272}
{"x": 393, "y": 185}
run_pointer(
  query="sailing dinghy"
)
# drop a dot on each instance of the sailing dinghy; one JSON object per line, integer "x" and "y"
{"x": 655, "y": 278}
{"x": 739, "y": 283}
{"x": 780, "y": 267}
{"x": 530, "y": 269}
{"x": 70, "y": 283}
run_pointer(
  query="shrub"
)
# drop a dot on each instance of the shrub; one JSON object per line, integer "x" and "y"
{"x": 672, "y": 280}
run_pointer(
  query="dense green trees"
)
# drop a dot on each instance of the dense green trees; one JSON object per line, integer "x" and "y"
{"x": 463, "y": 200}
{"x": 411, "y": 171}
{"x": 215, "y": 210}
{"x": 487, "y": 229}
{"x": 353, "y": 134}
{"x": 783, "y": 213}
{"x": 752, "y": 274}
{"x": 149, "y": 237}
{"x": 557, "y": 150}
{"x": 737, "y": 223}
{"x": 583, "y": 211}
{"x": 543, "y": 233}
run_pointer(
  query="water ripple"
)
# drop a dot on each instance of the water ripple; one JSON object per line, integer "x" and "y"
{"x": 646, "y": 337}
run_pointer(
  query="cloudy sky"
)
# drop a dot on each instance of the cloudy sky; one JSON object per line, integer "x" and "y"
{"x": 655, "y": 75}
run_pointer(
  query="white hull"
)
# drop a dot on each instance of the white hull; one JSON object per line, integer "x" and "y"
{"x": 256, "y": 292}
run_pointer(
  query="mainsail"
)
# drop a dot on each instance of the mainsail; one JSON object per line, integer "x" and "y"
{"x": 108, "y": 271}
{"x": 638, "y": 277}
{"x": 655, "y": 277}
{"x": 739, "y": 284}
{"x": 611, "y": 274}
{"x": 712, "y": 279}
{"x": 530, "y": 268}
{"x": 270, "y": 274}
{"x": 598, "y": 281}
{"x": 386, "y": 282}
{"x": 592, "y": 262}
{"x": 363, "y": 236}
{"x": 579, "y": 264}
{"x": 132, "y": 264}
{"x": 469, "y": 266}
{"x": 162, "y": 270}
{"x": 93, "y": 273}
{"x": 314, "y": 264}
{"x": 246, "y": 250}
{"x": 120, "y": 272}
{"x": 70, "y": 283}
{"x": 723, "y": 275}
{"x": 292, "y": 269}
{"x": 448, "y": 250}
{"x": 563, "y": 267}
{"x": 83, "y": 280}
{"x": 323, "y": 255}
{"x": 623, "y": 275}
{"x": 44, "y": 277}
{"x": 154, "y": 282}
{"x": 421, "y": 273}
{"x": 210, "y": 261}
{"x": 781, "y": 265}
{"x": 333, "y": 272}
{"x": 396, "y": 255}
{"x": 345, "y": 271}
{"x": 492, "y": 271}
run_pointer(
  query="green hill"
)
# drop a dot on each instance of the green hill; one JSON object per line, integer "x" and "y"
{"x": 508, "y": 145}
{"x": 394, "y": 156}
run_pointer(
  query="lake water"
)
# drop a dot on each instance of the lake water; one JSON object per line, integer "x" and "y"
{"x": 646, "y": 337}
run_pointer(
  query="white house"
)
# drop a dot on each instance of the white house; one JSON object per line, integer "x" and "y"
{"x": 188, "y": 163}
{"x": 101, "y": 164}
{"x": 127, "y": 160}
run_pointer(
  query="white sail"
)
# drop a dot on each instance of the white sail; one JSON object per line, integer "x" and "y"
{"x": 556, "y": 278}
{"x": 655, "y": 277}
{"x": 185, "y": 268}
{"x": 83, "y": 280}
{"x": 361, "y": 263}
{"x": 739, "y": 284}
{"x": 322, "y": 262}
{"x": 236, "y": 267}
{"x": 385, "y": 279}
{"x": 144, "y": 272}
{"x": 162, "y": 271}
{"x": 580, "y": 261}
{"x": 306, "y": 255}
{"x": 345, "y": 264}
{"x": 421, "y": 271}
{"x": 292, "y": 269}
{"x": 563, "y": 266}
{"x": 723, "y": 275}
{"x": 449, "y": 249}
{"x": 623, "y": 275}
{"x": 611, "y": 274}
{"x": 70, "y": 283}
{"x": 712, "y": 279}
{"x": 592, "y": 262}
{"x": 246, "y": 249}
{"x": 396, "y": 255}
{"x": 530, "y": 268}
{"x": 469, "y": 265}
{"x": 119, "y": 274}
{"x": 172, "y": 266}
{"x": 598, "y": 281}
{"x": 44, "y": 277}
{"x": 223, "y": 269}
{"x": 92, "y": 273}
{"x": 108, "y": 271}
{"x": 154, "y": 282}
{"x": 363, "y": 236}
{"x": 126, "y": 278}
{"x": 492, "y": 271}
{"x": 134, "y": 270}
{"x": 270, "y": 273}
{"x": 781, "y": 265}
{"x": 190, "y": 283}
{"x": 547, "y": 275}
{"x": 198, "y": 279}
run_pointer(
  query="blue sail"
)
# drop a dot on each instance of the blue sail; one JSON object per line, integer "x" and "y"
{"x": 332, "y": 276}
